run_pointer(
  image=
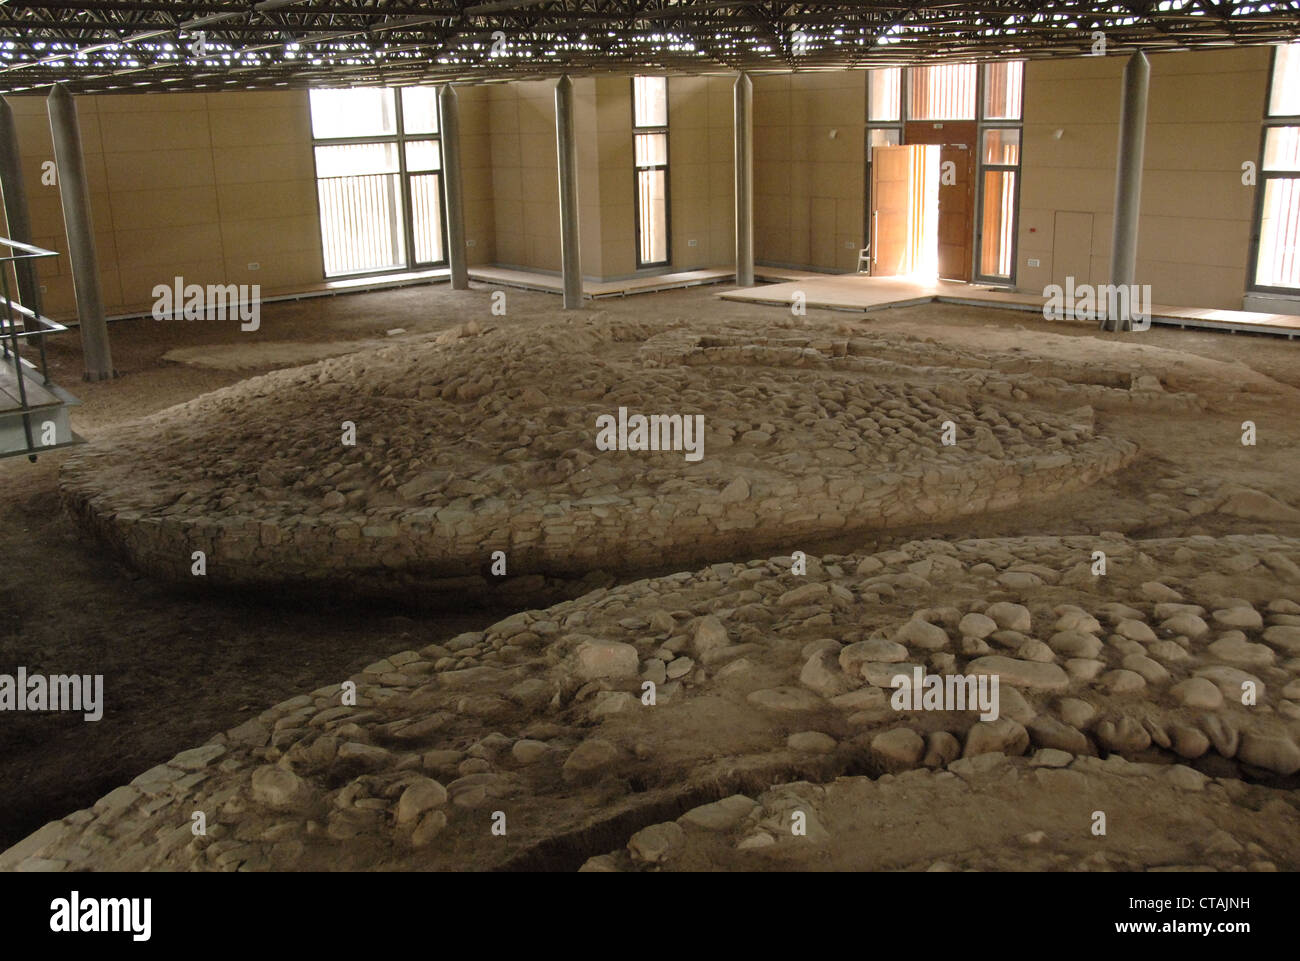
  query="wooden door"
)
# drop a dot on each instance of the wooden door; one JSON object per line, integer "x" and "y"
{"x": 956, "y": 140}
{"x": 956, "y": 211}
{"x": 892, "y": 185}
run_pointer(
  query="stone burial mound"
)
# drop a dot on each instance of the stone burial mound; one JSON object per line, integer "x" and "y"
{"x": 475, "y": 441}
{"x": 696, "y": 720}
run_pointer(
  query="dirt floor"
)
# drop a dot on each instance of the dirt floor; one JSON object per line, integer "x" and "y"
{"x": 179, "y": 669}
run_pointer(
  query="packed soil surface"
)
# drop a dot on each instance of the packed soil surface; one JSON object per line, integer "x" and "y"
{"x": 180, "y": 667}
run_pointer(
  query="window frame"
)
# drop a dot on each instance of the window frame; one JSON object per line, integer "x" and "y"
{"x": 1262, "y": 176}
{"x": 982, "y": 125}
{"x": 637, "y": 169}
{"x": 399, "y": 138}
{"x": 899, "y": 126}
{"x": 905, "y": 95}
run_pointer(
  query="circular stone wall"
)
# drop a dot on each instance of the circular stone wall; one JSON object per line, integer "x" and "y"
{"x": 475, "y": 441}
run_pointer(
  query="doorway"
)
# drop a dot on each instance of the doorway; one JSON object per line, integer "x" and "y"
{"x": 905, "y": 214}
{"x": 923, "y": 202}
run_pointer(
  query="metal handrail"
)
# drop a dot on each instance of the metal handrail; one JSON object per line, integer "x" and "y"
{"x": 14, "y": 314}
{"x": 45, "y": 324}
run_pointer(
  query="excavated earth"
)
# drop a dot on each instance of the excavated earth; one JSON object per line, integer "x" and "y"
{"x": 740, "y": 716}
{"x": 730, "y": 709}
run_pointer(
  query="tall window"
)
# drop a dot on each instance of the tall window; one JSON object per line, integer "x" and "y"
{"x": 378, "y": 179}
{"x": 884, "y": 108}
{"x": 650, "y": 148}
{"x": 1277, "y": 254}
{"x": 944, "y": 92}
{"x": 1000, "y": 123}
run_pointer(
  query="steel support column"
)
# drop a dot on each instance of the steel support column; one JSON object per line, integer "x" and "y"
{"x": 449, "y": 125}
{"x": 1128, "y": 180}
{"x": 567, "y": 147}
{"x": 71, "y": 167}
{"x": 744, "y": 149}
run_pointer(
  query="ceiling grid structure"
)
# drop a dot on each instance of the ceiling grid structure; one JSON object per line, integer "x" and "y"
{"x": 132, "y": 46}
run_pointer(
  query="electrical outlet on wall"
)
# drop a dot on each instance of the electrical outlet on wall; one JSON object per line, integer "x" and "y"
{"x": 692, "y": 243}
{"x": 1034, "y": 262}
{"x": 470, "y": 243}
{"x": 254, "y": 266}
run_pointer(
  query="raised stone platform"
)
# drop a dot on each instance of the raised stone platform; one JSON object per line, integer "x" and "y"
{"x": 479, "y": 440}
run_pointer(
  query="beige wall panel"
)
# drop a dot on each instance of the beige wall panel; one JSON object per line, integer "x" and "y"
{"x": 544, "y": 252}
{"x": 589, "y": 240}
{"x": 1081, "y": 145}
{"x": 138, "y": 284}
{"x": 258, "y": 100}
{"x": 1195, "y": 283}
{"x": 169, "y": 207}
{"x": 690, "y": 182}
{"x": 618, "y": 240}
{"x": 1200, "y": 146}
{"x": 1212, "y": 98}
{"x": 614, "y": 183}
{"x": 688, "y": 146}
{"x": 540, "y": 184}
{"x": 1072, "y": 247}
{"x": 507, "y": 186}
{"x": 507, "y": 158}
{"x": 1060, "y": 97}
{"x": 722, "y": 144}
{"x": 259, "y": 240}
{"x": 537, "y": 151}
{"x": 542, "y": 219}
{"x": 274, "y": 162}
{"x": 163, "y": 247}
{"x": 149, "y": 129}
{"x": 1076, "y": 188}
{"x": 772, "y": 144}
{"x": 1198, "y": 241}
{"x": 1218, "y": 196}
{"x": 1035, "y": 233}
{"x": 150, "y": 169}
{"x": 1214, "y": 61}
{"x": 616, "y": 147}
{"x": 822, "y": 232}
{"x": 260, "y": 127}
{"x": 280, "y": 272}
{"x": 179, "y": 102}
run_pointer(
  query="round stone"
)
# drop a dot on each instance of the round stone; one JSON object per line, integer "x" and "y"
{"x": 810, "y": 742}
{"x": 898, "y": 749}
{"x": 1197, "y": 692}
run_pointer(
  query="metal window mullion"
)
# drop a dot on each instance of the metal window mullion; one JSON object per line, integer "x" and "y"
{"x": 404, "y": 182}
